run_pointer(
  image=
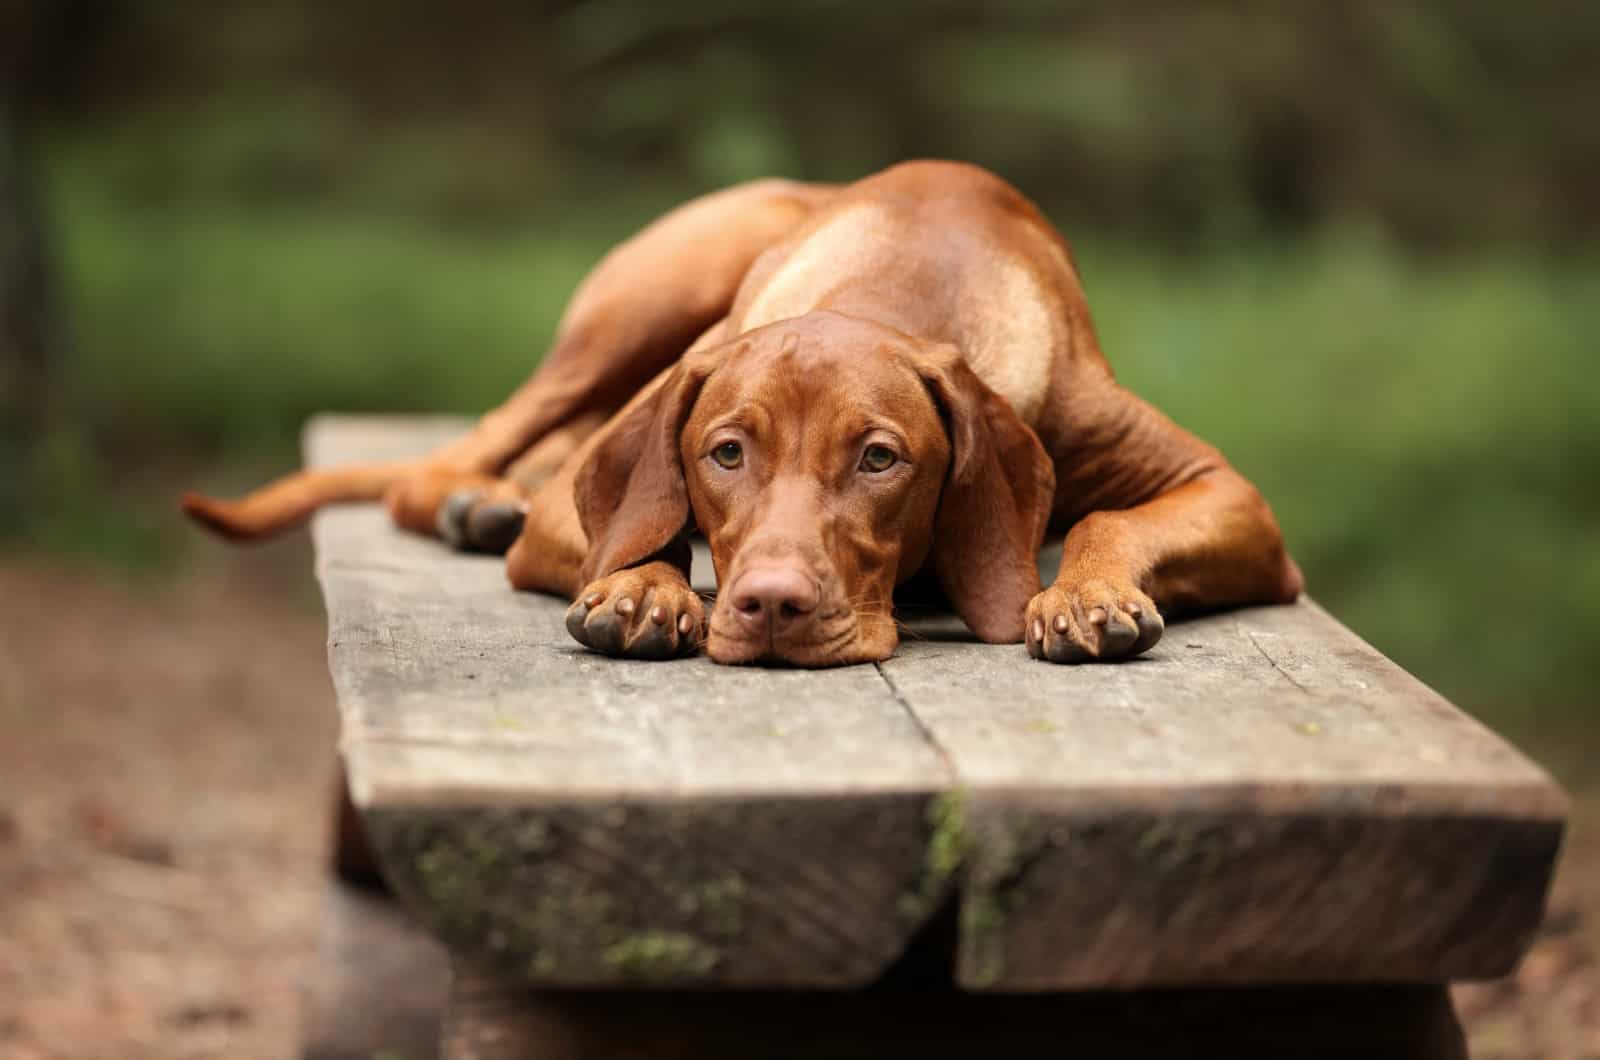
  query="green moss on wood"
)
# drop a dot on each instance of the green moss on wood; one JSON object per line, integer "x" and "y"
{"x": 494, "y": 883}
{"x": 1006, "y": 848}
{"x": 532, "y": 836}
{"x": 661, "y": 956}
{"x": 454, "y": 873}
{"x": 983, "y": 946}
{"x": 1181, "y": 846}
{"x": 551, "y": 916}
{"x": 722, "y": 902}
{"x": 946, "y": 851}
{"x": 947, "y": 847}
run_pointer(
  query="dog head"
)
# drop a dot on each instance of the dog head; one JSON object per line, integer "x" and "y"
{"x": 826, "y": 459}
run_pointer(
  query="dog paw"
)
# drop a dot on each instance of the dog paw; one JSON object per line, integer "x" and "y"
{"x": 474, "y": 521}
{"x": 646, "y": 612}
{"x": 1095, "y": 618}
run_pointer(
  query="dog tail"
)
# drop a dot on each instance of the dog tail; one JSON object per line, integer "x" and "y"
{"x": 290, "y": 500}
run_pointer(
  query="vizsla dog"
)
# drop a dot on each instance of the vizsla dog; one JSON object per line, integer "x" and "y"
{"x": 840, "y": 387}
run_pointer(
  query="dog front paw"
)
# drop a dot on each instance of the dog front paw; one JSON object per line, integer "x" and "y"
{"x": 1082, "y": 620}
{"x": 646, "y": 612}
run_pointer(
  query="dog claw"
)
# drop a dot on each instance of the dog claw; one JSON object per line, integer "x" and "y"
{"x": 1151, "y": 626}
{"x": 451, "y": 521}
{"x": 653, "y": 642}
{"x": 576, "y": 615}
{"x": 1061, "y": 648}
{"x": 603, "y": 631}
{"x": 1116, "y": 638}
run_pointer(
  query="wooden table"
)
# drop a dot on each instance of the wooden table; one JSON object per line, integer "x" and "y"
{"x": 1263, "y": 801}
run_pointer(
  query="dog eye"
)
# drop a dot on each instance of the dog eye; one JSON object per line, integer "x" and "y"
{"x": 878, "y": 458}
{"x": 728, "y": 455}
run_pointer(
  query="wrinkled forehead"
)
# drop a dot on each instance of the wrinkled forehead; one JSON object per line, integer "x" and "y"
{"x": 848, "y": 380}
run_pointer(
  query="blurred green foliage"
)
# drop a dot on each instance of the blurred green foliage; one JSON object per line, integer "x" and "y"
{"x": 1351, "y": 244}
{"x": 1452, "y": 123}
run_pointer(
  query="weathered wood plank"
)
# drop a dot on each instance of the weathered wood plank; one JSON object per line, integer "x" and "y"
{"x": 579, "y": 820}
{"x": 1264, "y": 798}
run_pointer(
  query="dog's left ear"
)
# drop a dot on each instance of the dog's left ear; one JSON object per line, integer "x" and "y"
{"x": 996, "y": 502}
{"x": 632, "y": 501}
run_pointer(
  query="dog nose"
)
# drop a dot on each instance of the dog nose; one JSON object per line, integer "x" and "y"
{"x": 773, "y": 597}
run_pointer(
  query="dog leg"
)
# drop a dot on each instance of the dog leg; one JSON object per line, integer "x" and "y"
{"x": 483, "y": 513}
{"x": 548, "y": 557}
{"x": 637, "y": 312}
{"x": 1174, "y": 529}
{"x": 640, "y": 308}
{"x": 643, "y": 612}
{"x": 634, "y": 314}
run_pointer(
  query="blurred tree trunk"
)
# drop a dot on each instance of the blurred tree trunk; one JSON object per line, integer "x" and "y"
{"x": 30, "y": 332}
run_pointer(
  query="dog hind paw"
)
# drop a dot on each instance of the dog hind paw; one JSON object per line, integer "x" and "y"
{"x": 470, "y": 521}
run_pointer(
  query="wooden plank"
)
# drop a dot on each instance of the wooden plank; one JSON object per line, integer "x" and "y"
{"x": 1264, "y": 798}
{"x": 488, "y": 1021}
{"x": 578, "y": 820}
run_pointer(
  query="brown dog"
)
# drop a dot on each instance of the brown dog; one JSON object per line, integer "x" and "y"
{"x": 839, "y": 387}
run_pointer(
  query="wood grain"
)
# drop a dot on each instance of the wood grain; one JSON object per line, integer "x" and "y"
{"x": 1263, "y": 798}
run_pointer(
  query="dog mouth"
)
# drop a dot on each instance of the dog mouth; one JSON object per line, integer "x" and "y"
{"x": 843, "y": 643}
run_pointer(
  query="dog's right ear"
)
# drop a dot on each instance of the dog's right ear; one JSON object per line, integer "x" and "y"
{"x": 632, "y": 500}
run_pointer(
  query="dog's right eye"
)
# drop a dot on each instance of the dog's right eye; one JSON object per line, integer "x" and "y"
{"x": 728, "y": 455}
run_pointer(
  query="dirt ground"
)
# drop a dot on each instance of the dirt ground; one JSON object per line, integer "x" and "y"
{"x": 166, "y": 756}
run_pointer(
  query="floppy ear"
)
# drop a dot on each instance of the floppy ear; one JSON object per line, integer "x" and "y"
{"x": 996, "y": 502}
{"x": 632, "y": 501}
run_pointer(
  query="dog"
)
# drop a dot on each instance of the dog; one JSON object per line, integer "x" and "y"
{"x": 840, "y": 387}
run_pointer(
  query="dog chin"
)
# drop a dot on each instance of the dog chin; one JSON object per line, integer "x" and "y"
{"x": 856, "y": 644}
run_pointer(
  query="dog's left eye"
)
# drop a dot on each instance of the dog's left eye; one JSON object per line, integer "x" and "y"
{"x": 878, "y": 458}
{"x": 728, "y": 454}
